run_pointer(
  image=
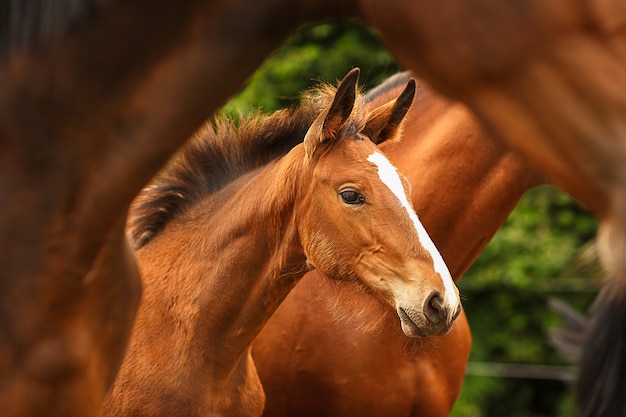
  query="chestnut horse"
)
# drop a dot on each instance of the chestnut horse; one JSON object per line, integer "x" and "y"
{"x": 219, "y": 249}
{"x": 323, "y": 354}
{"x": 95, "y": 95}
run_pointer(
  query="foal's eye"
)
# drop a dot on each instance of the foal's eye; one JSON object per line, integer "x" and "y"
{"x": 351, "y": 196}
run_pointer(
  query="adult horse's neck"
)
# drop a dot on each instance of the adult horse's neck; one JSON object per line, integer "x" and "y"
{"x": 212, "y": 277}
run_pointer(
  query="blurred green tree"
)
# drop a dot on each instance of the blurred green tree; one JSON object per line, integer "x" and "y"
{"x": 324, "y": 52}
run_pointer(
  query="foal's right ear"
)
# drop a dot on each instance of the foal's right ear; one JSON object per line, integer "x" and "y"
{"x": 384, "y": 122}
{"x": 330, "y": 121}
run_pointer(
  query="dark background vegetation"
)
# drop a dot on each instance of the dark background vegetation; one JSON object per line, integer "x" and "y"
{"x": 539, "y": 253}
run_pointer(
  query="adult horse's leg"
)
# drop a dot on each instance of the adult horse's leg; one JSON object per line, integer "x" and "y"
{"x": 86, "y": 118}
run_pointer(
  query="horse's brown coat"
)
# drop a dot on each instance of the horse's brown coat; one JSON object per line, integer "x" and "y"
{"x": 215, "y": 270}
{"x": 86, "y": 118}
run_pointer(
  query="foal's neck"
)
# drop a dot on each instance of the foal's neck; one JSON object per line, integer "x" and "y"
{"x": 232, "y": 258}
{"x": 212, "y": 278}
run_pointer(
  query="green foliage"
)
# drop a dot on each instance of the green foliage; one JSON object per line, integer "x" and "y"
{"x": 539, "y": 240}
{"x": 324, "y": 52}
{"x": 505, "y": 292}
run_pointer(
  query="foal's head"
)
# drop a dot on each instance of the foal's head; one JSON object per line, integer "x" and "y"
{"x": 357, "y": 221}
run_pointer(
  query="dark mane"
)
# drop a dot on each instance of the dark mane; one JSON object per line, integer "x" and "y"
{"x": 220, "y": 152}
{"x": 24, "y": 23}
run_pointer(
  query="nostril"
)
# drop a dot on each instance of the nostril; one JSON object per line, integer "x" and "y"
{"x": 434, "y": 309}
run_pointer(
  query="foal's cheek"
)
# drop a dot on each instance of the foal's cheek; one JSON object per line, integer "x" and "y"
{"x": 333, "y": 259}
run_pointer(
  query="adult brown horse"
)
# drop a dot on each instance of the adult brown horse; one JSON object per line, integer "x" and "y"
{"x": 219, "y": 249}
{"x": 331, "y": 350}
{"x": 95, "y": 95}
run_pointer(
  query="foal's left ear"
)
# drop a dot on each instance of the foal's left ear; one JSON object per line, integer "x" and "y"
{"x": 384, "y": 122}
{"x": 331, "y": 120}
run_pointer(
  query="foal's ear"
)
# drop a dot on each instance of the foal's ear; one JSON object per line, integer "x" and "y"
{"x": 384, "y": 122}
{"x": 331, "y": 120}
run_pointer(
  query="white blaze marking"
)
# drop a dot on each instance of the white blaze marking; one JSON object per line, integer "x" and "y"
{"x": 389, "y": 176}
